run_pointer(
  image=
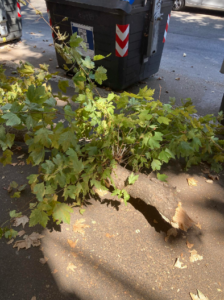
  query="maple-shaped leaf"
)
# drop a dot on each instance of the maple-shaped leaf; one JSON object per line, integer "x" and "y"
{"x": 132, "y": 178}
{"x": 163, "y": 120}
{"x": 79, "y": 226}
{"x": 11, "y": 233}
{"x": 153, "y": 141}
{"x": 39, "y": 190}
{"x": 62, "y": 213}
{"x": 12, "y": 119}
{"x": 77, "y": 164}
{"x": 29, "y": 240}
{"x": 156, "y": 164}
{"x": 6, "y": 158}
{"x": 88, "y": 63}
{"x": 146, "y": 93}
{"x": 38, "y": 217}
{"x": 20, "y": 220}
{"x": 14, "y": 214}
{"x": 42, "y": 137}
{"x": 100, "y": 75}
{"x": 63, "y": 84}
{"x": 75, "y": 40}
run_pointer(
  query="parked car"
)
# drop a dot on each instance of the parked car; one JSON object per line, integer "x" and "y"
{"x": 208, "y": 4}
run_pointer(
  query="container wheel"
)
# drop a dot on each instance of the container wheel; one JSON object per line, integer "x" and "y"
{"x": 178, "y": 4}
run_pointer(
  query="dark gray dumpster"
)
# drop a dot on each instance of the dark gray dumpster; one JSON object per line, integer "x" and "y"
{"x": 134, "y": 34}
{"x": 10, "y": 20}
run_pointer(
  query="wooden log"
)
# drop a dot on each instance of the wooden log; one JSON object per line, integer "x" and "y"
{"x": 154, "y": 192}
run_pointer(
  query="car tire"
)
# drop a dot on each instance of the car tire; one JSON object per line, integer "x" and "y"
{"x": 178, "y": 5}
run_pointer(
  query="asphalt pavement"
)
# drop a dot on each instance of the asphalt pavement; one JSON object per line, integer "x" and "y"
{"x": 120, "y": 252}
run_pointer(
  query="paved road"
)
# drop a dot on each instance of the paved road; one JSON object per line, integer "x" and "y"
{"x": 198, "y": 33}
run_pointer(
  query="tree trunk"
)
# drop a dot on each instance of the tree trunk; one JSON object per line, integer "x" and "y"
{"x": 154, "y": 192}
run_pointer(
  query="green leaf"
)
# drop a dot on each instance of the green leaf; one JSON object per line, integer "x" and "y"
{"x": 100, "y": 75}
{"x": 62, "y": 213}
{"x": 132, "y": 178}
{"x": 98, "y": 57}
{"x": 42, "y": 137}
{"x": 163, "y": 120}
{"x": 12, "y": 119}
{"x": 88, "y": 63}
{"x": 16, "y": 195}
{"x": 11, "y": 234}
{"x": 63, "y": 84}
{"x": 146, "y": 93}
{"x": 32, "y": 205}
{"x": 6, "y": 158}
{"x": 64, "y": 19}
{"x": 153, "y": 142}
{"x": 14, "y": 214}
{"x": 32, "y": 178}
{"x": 162, "y": 177}
{"x": 75, "y": 40}
{"x": 39, "y": 190}
{"x": 81, "y": 211}
{"x": 44, "y": 67}
{"x": 22, "y": 187}
{"x": 156, "y": 164}
{"x": 13, "y": 185}
{"x": 77, "y": 164}
{"x": 126, "y": 196}
{"x": 38, "y": 217}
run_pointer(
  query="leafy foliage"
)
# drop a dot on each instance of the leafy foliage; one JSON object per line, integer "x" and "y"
{"x": 79, "y": 154}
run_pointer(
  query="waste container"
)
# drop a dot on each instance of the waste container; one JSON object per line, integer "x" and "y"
{"x": 10, "y": 20}
{"x": 134, "y": 34}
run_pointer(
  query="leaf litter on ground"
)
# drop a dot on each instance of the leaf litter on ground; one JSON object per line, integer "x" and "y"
{"x": 28, "y": 241}
{"x": 170, "y": 232}
{"x": 21, "y": 233}
{"x": 20, "y": 220}
{"x": 44, "y": 260}
{"x": 79, "y": 227}
{"x": 178, "y": 264}
{"x": 189, "y": 245}
{"x": 191, "y": 181}
{"x": 72, "y": 244}
{"x": 71, "y": 267}
{"x": 200, "y": 296}
{"x": 195, "y": 256}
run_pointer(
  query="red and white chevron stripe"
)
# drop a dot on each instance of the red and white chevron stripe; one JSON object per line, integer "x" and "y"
{"x": 122, "y": 40}
{"x": 50, "y": 21}
{"x": 19, "y": 10}
{"x": 166, "y": 30}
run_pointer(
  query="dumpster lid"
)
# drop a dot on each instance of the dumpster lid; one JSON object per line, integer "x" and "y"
{"x": 124, "y": 5}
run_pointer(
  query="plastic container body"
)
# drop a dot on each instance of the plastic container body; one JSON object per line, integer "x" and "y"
{"x": 10, "y": 20}
{"x": 114, "y": 27}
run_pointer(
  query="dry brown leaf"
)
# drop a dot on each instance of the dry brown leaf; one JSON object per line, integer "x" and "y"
{"x": 109, "y": 235}
{"x": 100, "y": 192}
{"x": 198, "y": 225}
{"x": 44, "y": 260}
{"x": 177, "y": 78}
{"x": 14, "y": 164}
{"x": 21, "y": 156}
{"x": 195, "y": 256}
{"x": 21, "y": 233}
{"x": 34, "y": 298}
{"x": 171, "y": 231}
{"x": 22, "y": 163}
{"x": 74, "y": 254}
{"x": 71, "y": 267}
{"x": 179, "y": 264}
{"x": 72, "y": 244}
{"x": 10, "y": 242}
{"x": 79, "y": 227}
{"x": 209, "y": 181}
{"x": 159, "y": 78}
{"x": 21, "y": 220}
{"x": 200, "y": 296}
{"x": 19, "y": 148}
{"x": 213, "y": 177}
{"x": 154, "y": 221}
{"x": 29, "y": 240}
{"x": 191, "y": 181}
{"x": 189, "y": 246}
{"x": 55, "y": 271}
